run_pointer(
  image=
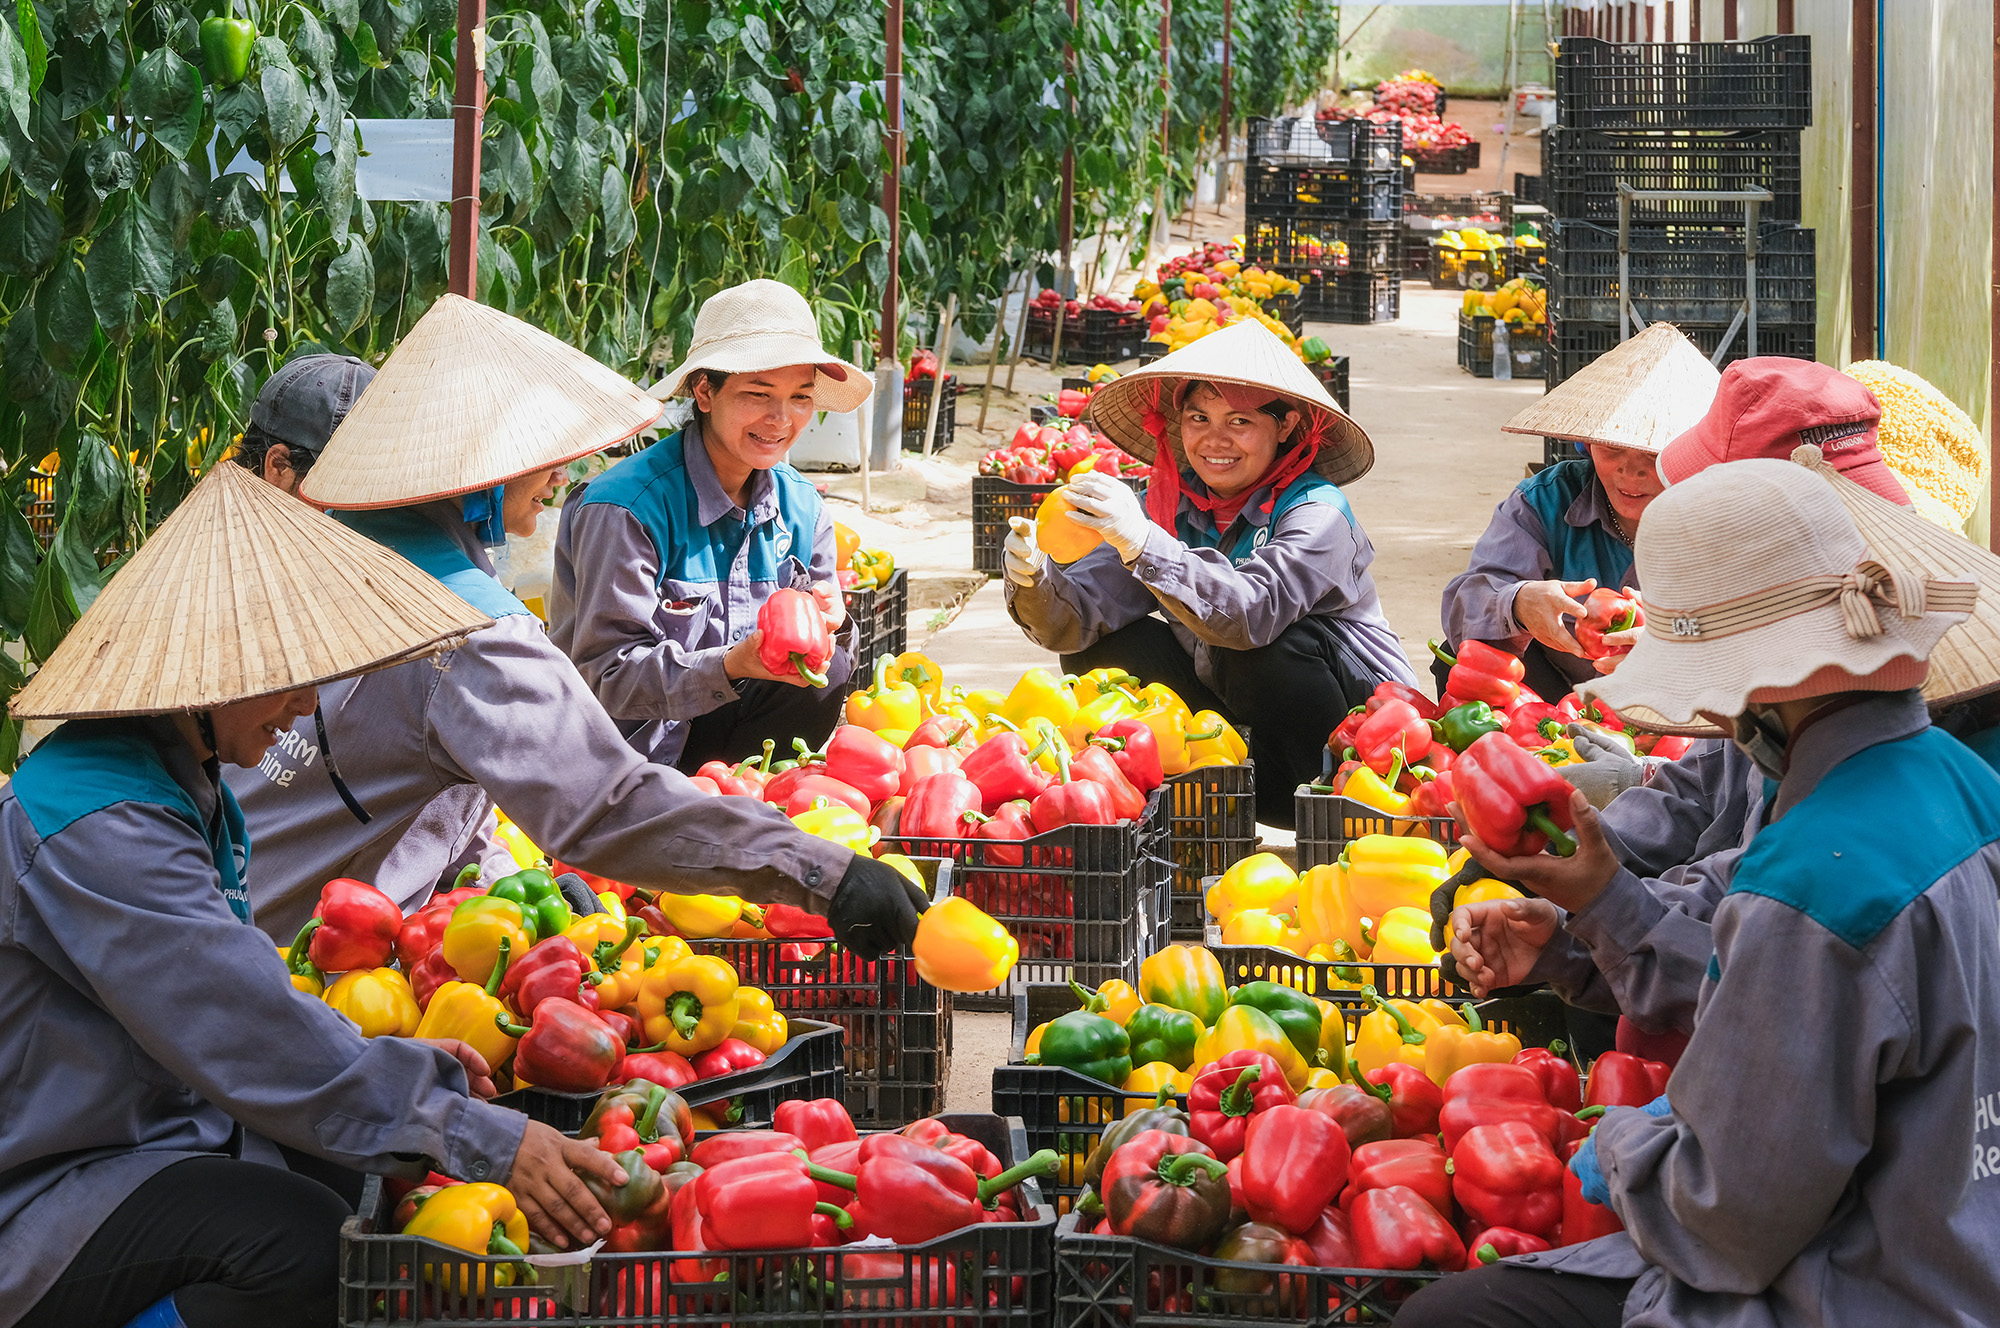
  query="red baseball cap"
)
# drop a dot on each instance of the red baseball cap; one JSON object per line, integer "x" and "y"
{"x": 1767, "y": 406}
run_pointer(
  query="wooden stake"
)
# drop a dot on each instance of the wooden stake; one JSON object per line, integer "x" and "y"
{"x": 937, "y": 379}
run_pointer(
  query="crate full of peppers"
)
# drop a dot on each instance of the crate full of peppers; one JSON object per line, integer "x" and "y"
{"x": 877, "y": 595}
{"x": 1396, "y": 763}
{"x": 807, "y": 1224}
{"x": 1012, "y": 480}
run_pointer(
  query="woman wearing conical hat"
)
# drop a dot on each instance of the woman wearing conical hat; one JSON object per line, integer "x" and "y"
{"x": 663, "y": 562}
{"x": 1242, "y": 579}
{"x": 462, "y": 437}
{"x": 171, "y": 1096}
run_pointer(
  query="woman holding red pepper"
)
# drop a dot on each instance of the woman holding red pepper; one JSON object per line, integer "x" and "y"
{"x": 1243, "y": 580}
{"x": 667, "y": 564}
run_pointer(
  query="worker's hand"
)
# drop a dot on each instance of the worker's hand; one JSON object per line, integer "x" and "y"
{"x": 832, "y": 605}
{"x": 478, "y": 1074}
{"x": 1497, "y": 942}
{"x": 1023, "y": 556}
{"x": 743, "y": 661}
{"x": 1622, "y": 643}
{"x": 875, "y": 908}
{"x": 1539, "y": 606}
{"x": 1108, "y": 506}
{"x": 545, "y": 1183}
{"x": 1570, "y": 883}
{"x": 1608, "y": 767}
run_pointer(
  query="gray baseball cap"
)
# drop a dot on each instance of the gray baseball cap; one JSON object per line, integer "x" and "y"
{"x": 305, "y": 401}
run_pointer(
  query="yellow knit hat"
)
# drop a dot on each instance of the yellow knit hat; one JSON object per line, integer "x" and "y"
{"x": 1933, "y": 447}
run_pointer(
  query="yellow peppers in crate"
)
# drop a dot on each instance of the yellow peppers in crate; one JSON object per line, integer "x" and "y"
{"x": 480, "y": 1219}
{"x": 889, "y": 704}
{"x": 689, "y": 1003}
{"x": 703, "y": 917}
{"x": 1246, "y": 1028}
{"x": 1261, "y": 880}
{"x": 1403, "y": 936}
{"x": 468, "y": 1012}
{"x": 1186, "y": 977}
{"x": 759, "y": 1022}
{"x": 1392, "y": 871}
{"x": 1451, "y": 1047}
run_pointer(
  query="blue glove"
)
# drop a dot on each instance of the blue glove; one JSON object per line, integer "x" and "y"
{"x": 1589, "y": 1175}
{"x": 1659, "y": 1106}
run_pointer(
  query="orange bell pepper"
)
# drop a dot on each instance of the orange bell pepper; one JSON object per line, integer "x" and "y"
{"x": 960, "y": 948}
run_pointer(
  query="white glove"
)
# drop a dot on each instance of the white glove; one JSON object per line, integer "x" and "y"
{"x": 1109, "y": 507}
{"x": 1024, "y": 558}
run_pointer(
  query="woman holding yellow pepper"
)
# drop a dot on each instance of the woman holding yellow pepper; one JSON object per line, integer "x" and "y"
{"x": 1243, "y": 580}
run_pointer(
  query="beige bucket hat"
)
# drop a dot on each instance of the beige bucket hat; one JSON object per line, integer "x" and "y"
{"x": 1759, "y": 587}
{"x": 244, "y": 591}
{"x": 471, "y": 398}
{"x": 1641, "y": 394}
{"x": 765, "y": 324}
{"x": 1247, "y": 354}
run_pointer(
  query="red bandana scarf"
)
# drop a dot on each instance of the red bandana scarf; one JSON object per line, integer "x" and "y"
{"x": 1163, "y": 486}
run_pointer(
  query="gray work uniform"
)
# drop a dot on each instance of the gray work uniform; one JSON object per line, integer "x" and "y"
{"x": 506, "y": 713}
{"x": 143, "y": 1022}
{"x": 1832, "y": 1156}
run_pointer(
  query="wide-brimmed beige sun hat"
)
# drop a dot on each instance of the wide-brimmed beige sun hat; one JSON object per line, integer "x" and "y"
{"x": 1246, "y": 354}
{"x": 1759, "y": 587}
{"x": 765, "y": 324}
{"x": 1642, "y": 394}
{"x": 244, "y": 591}
{"x": 471, "y": 398}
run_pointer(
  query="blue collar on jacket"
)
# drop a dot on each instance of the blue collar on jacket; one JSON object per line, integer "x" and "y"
{"x": 1251, "y": 529}
{"x": 1575, "y": 513}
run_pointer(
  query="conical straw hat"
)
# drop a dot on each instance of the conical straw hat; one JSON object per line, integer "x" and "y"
{"x": 471, "y": 398}
{"x": 242, "y": 592}
{"x": 1643, "y": 393}
{"x": 1246, "y": 353}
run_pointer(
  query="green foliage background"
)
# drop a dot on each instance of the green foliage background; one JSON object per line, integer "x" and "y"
{"x": 638, "y": 156}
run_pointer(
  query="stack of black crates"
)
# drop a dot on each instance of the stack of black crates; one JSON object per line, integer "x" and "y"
{"x": 1677, "y": 116}
{"x": 1325, "y": 208}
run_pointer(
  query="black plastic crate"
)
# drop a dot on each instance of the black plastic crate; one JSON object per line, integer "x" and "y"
{"x": 992, "y": 1275}
{"x": 994, "y": 500}
{"x": 1332, "y": 374}
{"x": 1211, "y": 824}
{"x": 1300, "y": 140}
{"x": 881, "y": 623}
{"x": 1465, "y": 269}
{"x": 1084, "y": 901}
{"x": 1683, "y": 274}
{"x": 1584, "y": 167}
{"x": 1284, "y": 307}
{"x": 806, "y": 1067}
{"x": 1475, "y": 346}
{"x": 917, "y": 413}
{"x": 1486, "y": 209}
{"x": 1764, "y": 83}
{"x": 1460, "y": 160}
{"x": 1327, "y": 821}
{"x": 1528, "y": 189}
{"x": 1573, "y": 344}
{"x": 1096, "y": 336}
{"x": 1322, "y": 193}
{"x": 1356, "y": 297}
{"x": 1356, "y": 246}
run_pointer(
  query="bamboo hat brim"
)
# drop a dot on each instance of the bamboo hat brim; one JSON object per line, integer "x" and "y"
{"x": 472, "y": 398}
{"x": 1250, "y": 355}
{"x": 242, "y": 592}
{"x": 1642, "y": 394}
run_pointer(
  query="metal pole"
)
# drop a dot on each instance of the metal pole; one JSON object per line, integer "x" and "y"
{"x": 1750, "y": 273}
{"x": 943, "y": 362}
{"x": 1066, "y": 208}
{"x": 1694, "y": 19}
{"x": 1222, "y": 156}
{"x": 1729, "y": 20}
{"x": 1162, "y": 224}
{"x": 1624, "y": 264}
{"x": 1787, "y": 21}
{"x": 467, "y": 113}
{"x": 1861, "y": 187}
{"x": 892, "y": 182}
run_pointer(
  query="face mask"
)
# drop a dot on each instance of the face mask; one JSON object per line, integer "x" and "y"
{"x": 1763, "y": 739}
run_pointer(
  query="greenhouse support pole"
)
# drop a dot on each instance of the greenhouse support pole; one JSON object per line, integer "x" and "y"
{"x": 1162, "y": 224}
{"x": 1066, "y": 208}
{"x": 1222, "y": 156}
{"x": 1729, "y": 20}
{"x": 1694, "y": 19}
{"x": 1862, "y": 219}
{"x": 1787, "y": 20}
{"x": 892, "y": 181}
{"x": 468, "y": 106}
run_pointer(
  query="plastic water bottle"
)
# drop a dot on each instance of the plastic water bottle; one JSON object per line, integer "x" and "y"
{"x": 1503, "y": 358}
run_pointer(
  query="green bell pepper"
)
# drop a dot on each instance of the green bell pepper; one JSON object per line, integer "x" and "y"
{"x": 225, "y": 48}
{"x": 1461, "y": 726}
{"x": 541, "y": 900}
{"x": 1295, "y": 1013}
{"x": 1089, "y": 1044}
{"x": 1162, "y": 1033}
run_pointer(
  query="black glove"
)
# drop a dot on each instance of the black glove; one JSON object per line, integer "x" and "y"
{"x": 875, "y": 908}
{"x": 576, "y": 893}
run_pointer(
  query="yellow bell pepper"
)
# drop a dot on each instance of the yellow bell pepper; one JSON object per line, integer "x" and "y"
{"x": 1261, "y": 880}
{"x": 1246, "y": 1028}
{"x": 1392, "y": 871}
{"x": 1100, "y": 682}
{"x": 479, "y": 1219}
{"x": 1318, "y": 1078}
{"x": 903, "y": 867}
{"x": 1258, "y": 926}
{"x": 377, "y": 999}
{"x": 1040, "y": 695}
{"x": 1115, "y": 704}
{"x": 979, "y": 706}
{"x": 919, "y": 671}
{"x": 689, "y": 1004}
{"x": 1451, "y": 1049}
{"x": 706, "y": 1119}
{"x": 759, "y": 1022}
{"x": 1456, "y": 862}
{"x": 595, "y": 929}
{"x": 837, "y": 822}
{"x": 888, "y": 704}
{"x": 1121, "y": 1001}
{"x": 846, "y": 543}
{"x": 702, "y": 917}
{"x": 1403, "y": 936}
{"x": 874, "y": 567}
{"x": 1186, "y": 977}
{"x": 467, "y": 1012}
{"x": 622, "y": 966}
{"x": 1340, "y": 978}
{"x": 1388, "y": 1033}
{"x": 1150, "y": 1078}
{"x": 298, "y": 962}
{"x": 1168, "y": 700}
{"x": 1326, "y": 909}
{"x": 1167, "y": 718}
{"x": 1371, "y": 790}
{"x": 521, "y": 848}
{"x": 1033, "y": 1046}
{"x": 472, "y": 937}
{"x": 1332, "y": 1033}
{"x": 1481, "y": 892}
{"x": 960, "y": 947}
{"x": 1209, "y": 736}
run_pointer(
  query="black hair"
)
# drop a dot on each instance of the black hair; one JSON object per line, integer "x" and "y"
{"x": 257, "y": 445}
{"x": 715, "y": 378}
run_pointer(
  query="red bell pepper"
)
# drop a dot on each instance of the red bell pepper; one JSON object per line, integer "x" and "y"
{"x": 796, "y": 642}
{"x": 566, "y": 1048}
{"x": 1515, "y": 803}
{"x": 919, "y": 762}
{"x": 934, "y": 1133}
{"x": 937, "y": 805}
{"x": 1294, "y": 1163}
{"x": 912, "y": 1193}
{"x": 669, "y": 1069}
{"x": 888, "y": 818}
{"x": 1390, "y": 690}
{"x": 431, "y": 972}
{"x": 1071, "y": 801}
{"x": 423, "y": 930}
{"x": 1487, "y": 1093}
{"x": 1534, "y": 725}
{"x": 778, "y": 788}
{"x": 1331, "y": 1240}
{"x": 720, "y": 1148}
{"x": 1508, "y": 1175}
{"x": 1095, "y": 764}
{"x": 703, "y": 784}
{"x": 1166, "y": 1188}
{"x": 761, "y": 1202}
{"x": 1363, "y": 1118}
{"x": 550, "y": 968}
{"x": 1435, "y": 795}
{"x": 1581, "y": 1219}
{"x": 688, "y": 1239}
{"x": 1414, "y": 1164}
{"x": 1668, "y": 747}
{"x": 625, "y": 1024}
{"x": 1496, "y": 1243}
{"x": 726, "y": 1057}
{"x": 1004, "y": 768}
{"x": 788, "y": 921}
{"x": 1395, "y": 728}
{"x": 1480, "y": 672}
{"x": 354, "y": 926}
{"x": 865, "y": 760}
{"x": 1607, "y": 610}
{"x": 1666, "y": 1048}
{"x": 875, "y": 1281}
{"x": 1618, "y": 1079}
{"x": 1245, "y": 1253}
{"x": 817, "y": 1123}
{"x": 1414, "y": 1101}
{"x": 1228, "y": 1093}
{"x": 1559, "y": 1078}
{"x": 952, "y": 733}
{"x": 1341, "y": 740}
{"x": 809, "y": 790}
{"x": 1397, "y": 1228}
{"x": 1135, "y": 749}
{"x": 744, "y": 781}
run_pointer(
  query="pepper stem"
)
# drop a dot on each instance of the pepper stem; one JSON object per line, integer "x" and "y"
{"x": 829, "y": 1176}
{"x": 1450, "y": 660}
{"x": 1590, "y": 1113}
{"x": 1409, "y": 1030}
{"x": 881, "y": 677}
{"x": 770, "y": 746}
{"x": 1560, "y": 842}
{"x": 467, "y": 875}
{"x": 1095, "y": 1002}
{"x": 297, "y": 958}
{"x": 1205, "y": 735}
{"x": 648, "y": 1124}
{"x": 1486, "y": 1254}
{"x": 841, "y": 1217}
{"x": 499, "y": 966}
{"x": 685, "y": 1012}
{"x": 807, "y": 671}
{"x": 1235, "y": 1100}
{"x": 1043, "y": 1163}
{"x": 1180, "y": 1168}
{"x": 511, "y": 1029}
{"x": 1473, "y": 1022}
{"x": 610, "y": 952}
{"x": 1367, "y": 1085}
